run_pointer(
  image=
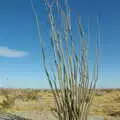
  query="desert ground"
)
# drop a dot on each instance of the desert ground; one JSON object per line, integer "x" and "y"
{"x": 37, "y": 104}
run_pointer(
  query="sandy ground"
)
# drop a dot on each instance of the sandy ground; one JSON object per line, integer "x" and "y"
{"x": 47, "y": 115}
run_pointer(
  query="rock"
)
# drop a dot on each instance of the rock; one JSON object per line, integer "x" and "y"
{"x": 8, "y": 116}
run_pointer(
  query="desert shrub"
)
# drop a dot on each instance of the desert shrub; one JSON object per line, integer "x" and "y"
{"x": 117, "y": 99}
{"x": 30, "y": 95}
{"x": 99, "y": 93}
{"x": 8, "y": 101}
{"x": 115, "y": 113}
{"x": 68, "y": 75}
{"x": 108, "y": 90}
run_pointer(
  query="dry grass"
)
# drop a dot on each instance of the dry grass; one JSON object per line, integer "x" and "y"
{"x": 106, "y": 102}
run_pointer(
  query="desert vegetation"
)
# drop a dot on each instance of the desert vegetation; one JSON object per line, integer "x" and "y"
{"x": 69, "y": 79}
{"x": 105, "y": 103}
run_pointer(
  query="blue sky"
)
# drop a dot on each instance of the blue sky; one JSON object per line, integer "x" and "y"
{"x": 20, "y": 64}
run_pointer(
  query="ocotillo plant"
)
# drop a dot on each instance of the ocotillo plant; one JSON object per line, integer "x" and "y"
{"x": 70, "y": 82}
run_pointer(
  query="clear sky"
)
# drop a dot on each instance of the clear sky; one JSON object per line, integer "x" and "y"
{"x": 20, "y": 64}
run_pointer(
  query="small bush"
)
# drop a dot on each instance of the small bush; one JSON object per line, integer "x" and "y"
{"x": 117, "y": 99}
{"x": 99, "y": 93}
{"x": 8, "y": 101}
{"x": 30, "y": 95}
{"x": 115, "y": 113}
